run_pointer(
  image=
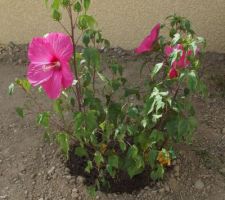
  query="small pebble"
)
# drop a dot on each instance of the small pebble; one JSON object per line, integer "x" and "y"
{"x": 51, "y": 171}
{"x": 199, "y": 185}
{"x": 80, "y": 180}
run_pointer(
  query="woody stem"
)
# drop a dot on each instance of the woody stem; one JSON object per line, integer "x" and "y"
{"x": 78, "y": 90}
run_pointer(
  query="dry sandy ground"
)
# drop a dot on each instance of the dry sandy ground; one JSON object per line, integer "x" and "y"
{"x": 32, "y": 169}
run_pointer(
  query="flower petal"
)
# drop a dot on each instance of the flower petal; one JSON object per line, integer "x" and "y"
{"x": 61, "y": 44}
{"x": 181, "y": 63}
{"x": 168, "y": 50}
{"x": 36, "y": 75}
{"x": 39, "y": 51}
{"x": 67, "y": 75}
{"x": 147, "y": 44}
{"x": 173, "y": 73}
{"x": 53, "y": 86}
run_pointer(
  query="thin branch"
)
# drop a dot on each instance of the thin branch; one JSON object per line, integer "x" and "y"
{"x": 65, "y": 29}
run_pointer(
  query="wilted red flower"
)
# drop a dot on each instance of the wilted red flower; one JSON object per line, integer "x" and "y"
{"x": 147, "y": 44}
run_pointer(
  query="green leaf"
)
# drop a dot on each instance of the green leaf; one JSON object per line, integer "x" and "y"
{"x": 20, "y": 112}
{"x": 86, "y": 4}
{"x": 172, "y": 153}
{"x": 202, "y": 88}
{"x": 91, "y": 120}
{"x": 183, "y": 128}
{"x": 65, "y": 2}
{"x": 81, "y": 152}
{"x": 111, "y": 171}
{"x": 144, "y": 122}
{"x": 43, "y": 119}
{"x": 91, "y": 190}
{"x": 63, "y": 141}
{"x": 172, "y": 127}
{"x": 113, "y": 160}
{"x": 156, "y": 136}
{"x": 156, "y": 69}
{"x": 55, "y": 4}
{"x": 114, "y": 112}
{"x": 149, "y": 105}
{"x": 115, "y": 84}
{"x": 98, "y": 158}
{"x": 79, "y": 119}
{"x": 192, "y": 81}
{"x": 158, "y": 173}
{"x": 57, "y": 106}
{"x": 24, "y": 84}
{"x": 175, "y": 55}
{"x": 176, "y": 38}
{"x": 11, "y": 89}
{"x": 123, "y": 146}
{"x": 116, "y": 69}
{"x": 133, "y": 152}
{"x": 194, "y": 47}
{"x": 202, "y": 40}
{"x": 86, "y": 38}
{"x": 77, "y": 7}
{"x": 136, "y": 166}
{"x": 133, "y": 112}
{"x": 86, "y": 21}
{"x": 89, "y": 167}
{"x": 56, "y": 15}
{"x": 152, "y": 157}
{"x": 92, "y": 56}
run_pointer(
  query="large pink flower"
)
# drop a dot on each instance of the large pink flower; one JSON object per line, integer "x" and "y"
{"x": 182, "y": 62}
{"x": 148, "y": 43}
{"x": 49, "y": 63}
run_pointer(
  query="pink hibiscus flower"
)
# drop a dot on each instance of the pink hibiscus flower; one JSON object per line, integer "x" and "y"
{"x": 49, "y": 63}
{"x": 182, "y": 62}
{"x": 147, "y": 44}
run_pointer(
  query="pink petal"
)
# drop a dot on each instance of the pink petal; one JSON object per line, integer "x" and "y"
{"x": 67, "y": 75}
{"x": 36, "y": 75}
{"x": 39, "y": 51}
{"x": 53, "y": 86}
{"x": 173, "y": 73}
{"x": 61, "y": 44}
{"x": 168, "y": 50}
{"x": 181, "y": 62}
{"x": 147, "y": 44}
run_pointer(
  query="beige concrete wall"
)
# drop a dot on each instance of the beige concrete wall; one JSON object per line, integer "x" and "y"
{"x": 124, "y": 22}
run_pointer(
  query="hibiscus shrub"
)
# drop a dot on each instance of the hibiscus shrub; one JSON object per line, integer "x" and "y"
{"x": 113, "y": 126}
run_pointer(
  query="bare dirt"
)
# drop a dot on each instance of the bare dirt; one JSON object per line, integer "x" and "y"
{"x": 32, "y": 169}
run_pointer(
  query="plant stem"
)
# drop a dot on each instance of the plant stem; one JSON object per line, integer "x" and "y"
{"x": 78, "y": 90}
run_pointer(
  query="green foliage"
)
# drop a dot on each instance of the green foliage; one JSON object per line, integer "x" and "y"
{"x": 122, "y": 126}
{"x": 20, "y": 112}
{"x": 43, "y": 119}
{"x": 63, "y": 141}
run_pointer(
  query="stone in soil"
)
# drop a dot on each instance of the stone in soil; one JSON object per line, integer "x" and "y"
{"x": 199, "y": 185}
